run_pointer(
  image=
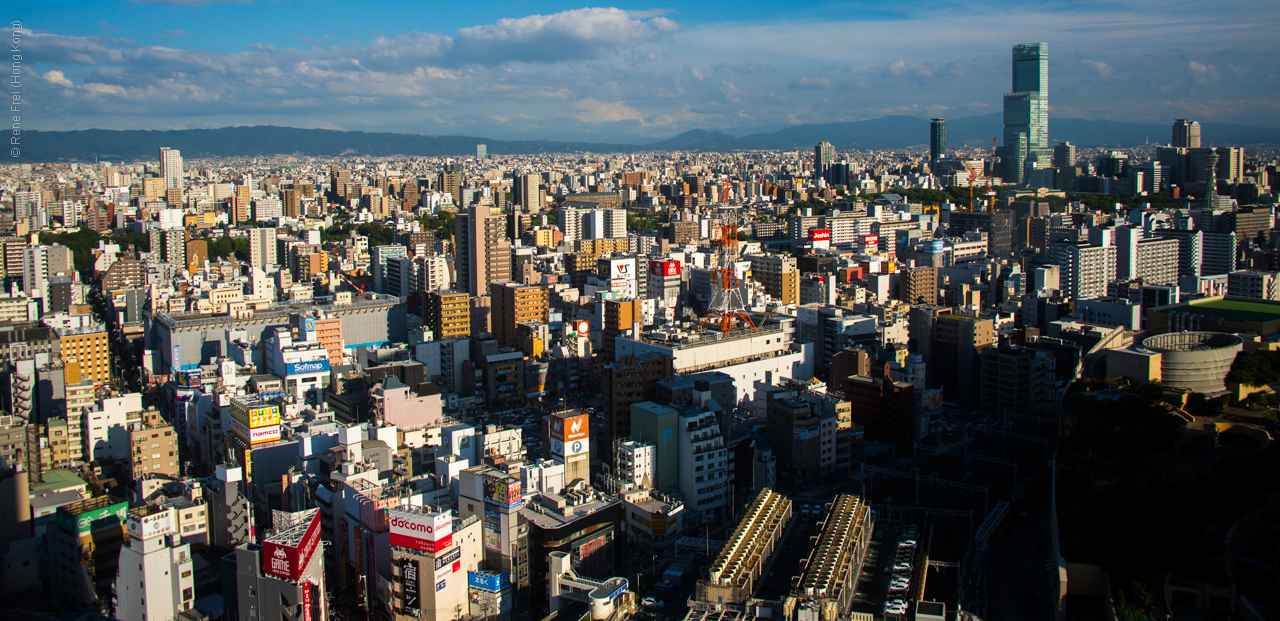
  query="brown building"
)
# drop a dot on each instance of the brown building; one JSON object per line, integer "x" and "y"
{"x": 794, "y": 435}
{"x": 197, "y": 253}
{"x": 628, "y": 381}
{"x": 619, "y": 316}
{"x": 153, "y": 447}
{"x": 512, "y": 304}
{"x": 778, "y": 275}
{"x": 957, "y": 342}
{"x": 311, "y": 263}
{"x": 447, "y": 314}
{"x": 918, "y": 286}
{"x": 884, "y": 408}
{"x": 124, "y": 274}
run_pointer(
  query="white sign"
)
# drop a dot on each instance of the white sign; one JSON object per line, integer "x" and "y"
{"x": 154, "y": 525}
{"x": 427, "y": 532}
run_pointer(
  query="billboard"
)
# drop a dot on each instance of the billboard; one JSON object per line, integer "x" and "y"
{"x": 802, "y": 432}
{"x": 146, "y": 527}
{"x": 624, "y": 269}
{"x": 820, "y": 235}
{"x": 424, "y": 532}
{"x": 89, "y": 521}
{"x": 305, "y": 368}
{"x": 583, "y": 327}
{"x": 375, "y": 512}
{"x": 504, "y": 373}
{"x": 934, "y": 246}
{"x": 448, "y": 563}
{"x": 287, "y": 561}
{"x": 871, "y": 240}
{"x": 489, "y": 580}
{"x": 931, "y": 401}
{"x": 254, "y": 413}
{"x": 188, "y": 379}
{"x": 664, "y": 268}
{"x": 570, "y": 428}
{"x": 503, "y": 492}
{"x": 411, "y": 584}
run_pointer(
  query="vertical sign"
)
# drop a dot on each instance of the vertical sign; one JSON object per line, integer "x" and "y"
{"x": 306, "y": 601}
{"x": 412, "y": 584}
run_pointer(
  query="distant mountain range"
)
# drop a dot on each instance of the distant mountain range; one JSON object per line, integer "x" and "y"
{"x": 890, "y": 132}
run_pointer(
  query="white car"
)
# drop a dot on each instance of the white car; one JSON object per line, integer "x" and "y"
{"x": 907, "y": 543}
{"x": 903, "y": 567}
{"x": 651, "y": 602}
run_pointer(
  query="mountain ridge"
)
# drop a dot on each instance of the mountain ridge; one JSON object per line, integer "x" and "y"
{"x": 889, "y": 132}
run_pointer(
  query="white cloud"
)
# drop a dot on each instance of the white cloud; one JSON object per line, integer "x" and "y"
{"x": 56, "y": 77}
{"x": 1201, "y": 73}
{"x": 592, "y": 110}
{"x": 1099, "y": 68}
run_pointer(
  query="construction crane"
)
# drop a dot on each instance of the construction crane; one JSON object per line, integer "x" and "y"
{"x": 972, "y": 177}
{"x": 991, "y": 193}
{"x": 726, "y": 306}
{"x": 354, "y": 285}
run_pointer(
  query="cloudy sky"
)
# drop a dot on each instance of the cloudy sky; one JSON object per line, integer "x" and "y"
{"x": 515, "y": 69}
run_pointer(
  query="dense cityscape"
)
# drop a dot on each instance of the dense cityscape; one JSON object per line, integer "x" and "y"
{"x": 1029, "y": 380}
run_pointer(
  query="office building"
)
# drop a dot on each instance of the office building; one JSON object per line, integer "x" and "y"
{"x": 262, "y": 248}
{"x": 629, "y": 380}
{"x": 997, "y": 225}
{"x": 795, "y": 436}
{"x": 1254, "y": 284}
{"x": 153, "y": 447}
{"x": 84, "y": 549}
{"x": 484, "y": 251}
{"x": 1026, "y": 113}
{"x": 1219, "y": 252}
{"x": 1186, "y": 134}
{"x": 937, "y": 140}
{"x": 1020, "y": 380}
{"x": 958, "y": 341}
{"x": 527, "y": 193}
{"x": 171, "y": 167}
{"x": 705, "y": 467}
{"x": 823, "y": 156}
{"x": 431, "y": 555}
{"x": 482, "y": 152}
{"x": 918, "y": 285}
{"x": 451, "y": 182}
{"x": 1064, "y": 155}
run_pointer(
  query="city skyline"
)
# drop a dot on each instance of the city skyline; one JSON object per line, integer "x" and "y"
{"x": 606, "y": 74}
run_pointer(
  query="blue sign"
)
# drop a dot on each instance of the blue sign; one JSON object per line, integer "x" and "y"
{"x": 440, "y": 585}
{"x": 934, "y": 246}
{"x": 304, "y": 368}
{"x": 493, "y": 582}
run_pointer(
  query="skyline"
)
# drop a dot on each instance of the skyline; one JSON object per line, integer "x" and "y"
{"x": 622, "y": 74}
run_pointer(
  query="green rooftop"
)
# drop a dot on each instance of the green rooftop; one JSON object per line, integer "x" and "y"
{"x": 58, "y": 480}
{"x": 1234, "y": 310}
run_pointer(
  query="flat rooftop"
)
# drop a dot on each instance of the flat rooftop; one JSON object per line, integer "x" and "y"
{"x": 1230, "y": 309}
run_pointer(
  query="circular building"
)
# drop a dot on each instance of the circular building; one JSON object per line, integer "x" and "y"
{"x": 1196, "y": 361}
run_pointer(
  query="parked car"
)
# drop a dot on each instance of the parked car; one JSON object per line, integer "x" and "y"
{"x": 652, "y": 602}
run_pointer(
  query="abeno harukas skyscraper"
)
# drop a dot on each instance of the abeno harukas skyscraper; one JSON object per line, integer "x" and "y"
{"x": 1026, "y": 113}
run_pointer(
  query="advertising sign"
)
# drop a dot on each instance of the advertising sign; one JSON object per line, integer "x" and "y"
{"x": 503, "y": 492}
{"x": 504, "y": 373}
{"x": 569, "y": 428}
{"x": 188, "y": 379}
{"x": 425, "y": 532}
{"x": 933, "y": 246}
{"x": 412, "y": 584}
{"x": 489, "y": 580}
{"x": 583, "y": 328}
{"x": 89, "y": 521}
{"x": 154, "y": 525}
{"x": 664, "y": 268}
{"x": 931, "y": 401}
{"x": 820, "y": 235}
{"x": 801, "y": 432}
{"x": 440, "y": 585}
{"x": 255, "y": 413}
{"x": 871, "y": 240}
{"x": 287, "y": 561}
{"x": 446, "y": 563}
{"x": 306, "y": 601}
{"x": 622, "y": 269}
{"x": 305, "y": 368}
{"x": 374, "y": 512}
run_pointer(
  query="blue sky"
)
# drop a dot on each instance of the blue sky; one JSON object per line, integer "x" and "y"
{"x": 557, "y": 70}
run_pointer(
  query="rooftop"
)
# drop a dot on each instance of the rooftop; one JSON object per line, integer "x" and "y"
{"x": 1230, "y": 309}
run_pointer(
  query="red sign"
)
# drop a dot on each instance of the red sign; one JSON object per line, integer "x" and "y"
{"x": 306, "y": 602}
{"x": 287, "y": 562}
{"x": 583, "y": 327}
{"x": 820, "y": 235}
{"x": 423, "y": 532}
{"x": 871, "y": 240}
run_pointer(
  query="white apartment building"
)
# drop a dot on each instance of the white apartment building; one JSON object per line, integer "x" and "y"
{"x": 637, "y": 463}
{"x": 106, "y": 427}
{"x": 704, "y": 464}
{"x": 1085, "y": 269}
{"x": 1254, "y": 284}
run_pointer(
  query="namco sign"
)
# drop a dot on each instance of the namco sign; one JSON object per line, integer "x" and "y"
{"x": 425, "y": 532}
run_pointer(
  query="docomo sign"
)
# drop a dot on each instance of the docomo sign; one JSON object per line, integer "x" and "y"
{"x": 870, "y": 240}
{"x": 424, "y": 532}
{"x": 664, "y": 268}
{"x": 287, "y": 562}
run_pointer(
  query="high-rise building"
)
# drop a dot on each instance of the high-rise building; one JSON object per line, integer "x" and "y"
{"x": 262, "y": 247}
{"x": 1026, "y": 113}
{"x": 484, "y": 251}
{"x": 778, "y": 275}
{"x": 1064, "y": 155}
{"x": 451, "y": 182}
{"x": 958, "y": 340}
{"x": 171, "y": 167}
{"x": 1186, "y": 134}
{"x": 482, "y": 152}
{"x": 918, "y": 286}
{"x": 1154, "y": 259}
{"x": 1190, "y": 249}
{"x": 823, "y": 155}
{"x": 1086, "y": 268}
{"x": 153, "y": 447}
{"x": 937, "y": 139}
{"x": 528, "y": 193}
{"x": 447, "y": 314}
{"x": 1018, "y": 380}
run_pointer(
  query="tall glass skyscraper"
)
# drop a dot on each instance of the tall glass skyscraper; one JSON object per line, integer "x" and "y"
{"x": 1026, "y": 113}
{"x": 937, "y": 139}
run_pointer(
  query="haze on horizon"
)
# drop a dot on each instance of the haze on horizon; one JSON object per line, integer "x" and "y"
{"x": 554, "y": 70}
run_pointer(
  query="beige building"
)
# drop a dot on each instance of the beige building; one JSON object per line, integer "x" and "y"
{"x": 448, "y": 314}
{"x": 153, "y": 446}
{"x": 778, "y": 275}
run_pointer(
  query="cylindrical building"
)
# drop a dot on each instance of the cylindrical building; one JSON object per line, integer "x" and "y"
{"x": 1196, "y": 361}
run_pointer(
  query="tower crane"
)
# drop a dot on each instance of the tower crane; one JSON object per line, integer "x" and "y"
{"x": 972, "y": 177}
{"x": 991, "y": 193}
